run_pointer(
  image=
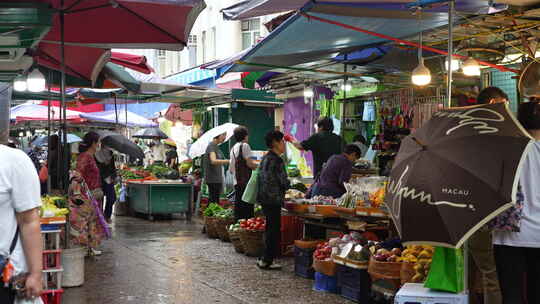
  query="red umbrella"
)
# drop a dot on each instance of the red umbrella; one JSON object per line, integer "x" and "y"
{"x": 134, "y": 62}
{"x": 82, "y": 62}
{"x": 156, "y": 24}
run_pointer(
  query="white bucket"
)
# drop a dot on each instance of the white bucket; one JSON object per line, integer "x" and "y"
{"x": 73, "y": 264}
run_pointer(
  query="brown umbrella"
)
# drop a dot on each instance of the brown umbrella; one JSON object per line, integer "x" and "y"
{"x": 456, "y": 173}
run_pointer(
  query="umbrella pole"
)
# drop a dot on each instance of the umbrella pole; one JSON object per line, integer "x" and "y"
{"x": 49, "y": 133}
{"x": 450, "y": 52}
{"x": 63, "y": 159}
{"x": 116, "y": 109}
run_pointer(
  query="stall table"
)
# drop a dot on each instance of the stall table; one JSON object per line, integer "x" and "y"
{"x": 160, "y": 198}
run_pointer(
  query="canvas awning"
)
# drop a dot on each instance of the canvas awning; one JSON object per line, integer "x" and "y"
{"x": 121, "y": 117}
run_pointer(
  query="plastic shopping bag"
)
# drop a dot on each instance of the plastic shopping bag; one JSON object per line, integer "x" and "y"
{"x": 252, "y": 187}
{"x": 447, "y": 270}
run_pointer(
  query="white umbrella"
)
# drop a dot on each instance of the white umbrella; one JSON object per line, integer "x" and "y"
{"x": 199, "y": 147}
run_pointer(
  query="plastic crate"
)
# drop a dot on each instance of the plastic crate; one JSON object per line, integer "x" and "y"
{"x": 50, "y": 227}
{"x": 303, "y": 256}
{"x": 292, "y": 229}
{"x": 52, "y": 296}
{"x": 325, "y": 283}
{"x": 304, "y": 271}
{"x": 412, "y": 293}
{"x": 355, "y": 284}
{"x": 52, "y": 259}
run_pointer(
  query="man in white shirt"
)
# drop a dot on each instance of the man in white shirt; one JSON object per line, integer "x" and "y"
{"x": 19, "y": 207}
{"x": 159, "y": 152}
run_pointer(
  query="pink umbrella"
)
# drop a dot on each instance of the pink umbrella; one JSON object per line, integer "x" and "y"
{"x": 32, "y": 112}
{"x": 156, "y": 24}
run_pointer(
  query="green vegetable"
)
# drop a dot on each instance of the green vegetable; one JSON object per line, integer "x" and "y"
{"x": 225, "y": 213}
{"x": 300, "y": 187}
{"x": 293, "y": 172}
{"x": 212, "y": 209}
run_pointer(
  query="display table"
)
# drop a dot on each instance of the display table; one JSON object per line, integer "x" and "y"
{"x": 160, "y": 198}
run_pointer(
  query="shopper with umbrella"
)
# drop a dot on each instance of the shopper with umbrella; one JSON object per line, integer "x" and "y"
{"x": 121, "y": 144}
{"x": 463, "y": 164}
{"x": 517, "y": 231}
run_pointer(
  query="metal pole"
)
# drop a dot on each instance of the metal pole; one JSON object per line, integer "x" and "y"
{"x": 63, "y": 159}
{"x": 49, "y": 134}
{"x": 450, "y": 52}
{"x": 115, "y": 109}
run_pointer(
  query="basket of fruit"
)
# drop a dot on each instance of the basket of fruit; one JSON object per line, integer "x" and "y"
{"x": 234, "y": 236}
{"x": 417, "y": 263}
{"x": 322, "y": 261}
{"x": 252, "y": 234}
{"x": 384, "y": 264}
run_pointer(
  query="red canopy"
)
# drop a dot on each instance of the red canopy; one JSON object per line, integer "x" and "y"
{"x": 82, "y": 62}
{"x": 134, "y": 62}
{"x": 156, "y": 24}
{"x": 84, "y": 108}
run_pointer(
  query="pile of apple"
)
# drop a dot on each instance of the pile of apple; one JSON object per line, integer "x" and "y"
{"x": 323, "y": 251}
{"x": 385, "y": 255}
{"x": 253, "y": 224}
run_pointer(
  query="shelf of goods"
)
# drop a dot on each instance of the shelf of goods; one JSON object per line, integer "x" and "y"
{"x": 152, "y": 198}
{"x": 51, "y": 229}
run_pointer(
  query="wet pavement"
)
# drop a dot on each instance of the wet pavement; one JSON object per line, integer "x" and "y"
{"x": 170, "y": 261}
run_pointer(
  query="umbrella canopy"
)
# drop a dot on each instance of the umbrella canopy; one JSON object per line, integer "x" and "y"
{"x": 44, "y": 140}
{"x": 133, "y": 120}
{"x": 159, "y": 24}
{"x": 121, "y": 144}
{"x": 456, "y": 173}
{"x": 199, "y": 147}
{"x": 134, "y": 62}
{"x": 151, "y": 133}
{"x": 34, "y": 112}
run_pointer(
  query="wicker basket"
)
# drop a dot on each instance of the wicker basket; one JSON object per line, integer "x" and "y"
{"x": 407, "y": 272}
{"x": 327, "y": 267}
{"x": 253, "y": 242}
{"x": 222, "y": 225}
{"x": 304, "y": 244}
{"x": 234, "y": 236}
{"x": 386, "y": 270}
{"x": 211, "y": 228}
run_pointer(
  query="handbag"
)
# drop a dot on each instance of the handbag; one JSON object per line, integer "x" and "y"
{"x": 242, "y": 171}
{"x": 252, "y": 188}
{"x": 7, "y": 294}
{"x": 447, "y": 270}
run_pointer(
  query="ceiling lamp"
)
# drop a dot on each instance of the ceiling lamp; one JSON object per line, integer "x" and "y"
{"x": 421, "y": 75}
{"x": 471, "y": 68}
{"x": 19, "y": 84}
{"x": 36, "y": 81}
{"x": 454, "y": 64}
{"x": 346, "y": 87}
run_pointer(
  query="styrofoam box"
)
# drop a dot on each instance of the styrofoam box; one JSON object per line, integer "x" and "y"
{"x": 417, "y": 294}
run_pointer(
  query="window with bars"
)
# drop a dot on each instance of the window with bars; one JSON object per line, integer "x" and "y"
{"x": 161, "y": 53}
{"x": 251, "y": 32}
{"x": 192, "y": 40}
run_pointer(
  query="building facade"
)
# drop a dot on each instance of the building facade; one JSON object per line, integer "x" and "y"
{"x": 212, "y": 38}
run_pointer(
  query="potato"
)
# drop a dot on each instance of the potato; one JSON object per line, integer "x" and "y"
{"x": 418, "y": 278}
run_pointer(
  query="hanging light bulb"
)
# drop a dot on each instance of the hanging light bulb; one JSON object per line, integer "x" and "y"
{"x": 421, "y": 75}
{"x": 454, "y": 64}
{"x": 471, "y": 68}
{"x": 36, "y": 81}
{"x": 19, "y": 84}
{"x": 308, "y": 93}
{"x": 346, "y": 87}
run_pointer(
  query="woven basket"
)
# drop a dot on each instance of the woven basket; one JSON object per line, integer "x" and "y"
{"x": 211, "y": 228}
{"x": 328, "y": 267}
{"x": 234, "y": 236}
{"x": 386, "y": 270}
{"x": 253, "y": 242}
{"x": 407, "y": 272}
{"x": 222, "y": 225}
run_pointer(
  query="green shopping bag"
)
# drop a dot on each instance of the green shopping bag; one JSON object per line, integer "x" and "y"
{"x": 446, "y": 273}
{"x": 252, "y": 187}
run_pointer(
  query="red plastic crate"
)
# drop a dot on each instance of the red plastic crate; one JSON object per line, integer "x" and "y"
{"x": 52, "y": 296}
{"x": 292, "y": 229}
{"x": 52, "y": 259}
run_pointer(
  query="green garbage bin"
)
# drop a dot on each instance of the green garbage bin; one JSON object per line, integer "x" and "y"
{"x": 160, "y": 198}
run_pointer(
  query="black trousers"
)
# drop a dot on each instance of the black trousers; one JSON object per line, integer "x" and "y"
{"x": 110, "y": 195}
{"x": 272, "y": 235}
{"x": 242, "y": 210}
{"x": 214, "y": 191}
{"x": 7, "y": 296}
{"x": 519, "y": 274}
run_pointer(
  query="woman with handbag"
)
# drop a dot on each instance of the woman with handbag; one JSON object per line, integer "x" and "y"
{"x": 241, "y": 165}
{"x": 21, "y": 233}
{"x": 85, "y": 184}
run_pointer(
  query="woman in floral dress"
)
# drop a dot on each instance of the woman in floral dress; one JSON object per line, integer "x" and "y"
{"x": 85, "y": 181}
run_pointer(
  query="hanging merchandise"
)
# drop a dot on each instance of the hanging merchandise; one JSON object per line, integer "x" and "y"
{"x": 369, "y": 113}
